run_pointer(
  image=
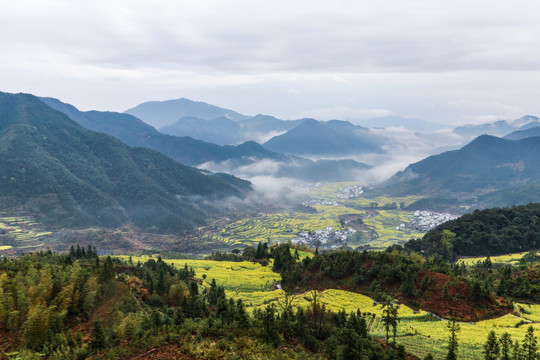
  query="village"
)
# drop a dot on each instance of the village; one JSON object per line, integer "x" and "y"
{"x": 326, "y": 238}
{"x": 426, "y": 220}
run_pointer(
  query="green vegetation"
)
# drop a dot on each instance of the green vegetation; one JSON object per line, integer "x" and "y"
{"x": 509, "y": 259}
{"x": 76, "y": 305}
{"x": 130, "y": 130}
{"x": 498, "y": 172}
{"x": 379, "y": 221}
{"x": 74, "y": 177}
{"x": 487, "y": 232}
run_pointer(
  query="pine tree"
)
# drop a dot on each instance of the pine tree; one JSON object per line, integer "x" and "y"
{"x": 517, "y": 353}
{"x": 453, "y": 328}
{"x": 506, "y": 345}
{"x": 389, "y": 320}
{"x": 408, "y": 287}
{"x": 491, "y": 347}
{"x": 98, "y": 337}
{"x": 445, "y": 293}
{"x": 530, "y": 345}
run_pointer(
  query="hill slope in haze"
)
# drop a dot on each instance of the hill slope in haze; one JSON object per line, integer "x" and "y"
{"x": 135, "y": 132}
{"x": 161, "y": 113}
{"x": 486, "y": 164}
{"x": 75, "y": 177}
{"x": 221, "y": 131}
{"x": 497, "y": 128}
{"x": 224, "y": 131}
{"x": 524, "y": 133}
{"x": 228, "y": 158}
{"x": 314, "y": 138}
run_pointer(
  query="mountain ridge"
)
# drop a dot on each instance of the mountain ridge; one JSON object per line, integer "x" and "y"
{"x": 484, "y": 165}
{"x": 161, "y": 113}
{"x": 135, "y": 132}
{"x": 71, "y": 176}
{"x": 312, "y": 137}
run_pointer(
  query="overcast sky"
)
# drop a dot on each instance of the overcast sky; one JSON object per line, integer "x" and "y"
{"x": 457, "y": 61}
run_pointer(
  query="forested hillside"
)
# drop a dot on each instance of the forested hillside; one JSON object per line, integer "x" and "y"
{"x": 433, "y": 285}
{"x": 70, "y": 176}
{"x": 487, "y": 232}
{"x": 485, "y": 165}
{"x": 76, "y": 306}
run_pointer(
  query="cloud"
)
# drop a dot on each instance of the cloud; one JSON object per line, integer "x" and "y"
{"x": 346, "y": 113}
{"x": 280, "y": 57}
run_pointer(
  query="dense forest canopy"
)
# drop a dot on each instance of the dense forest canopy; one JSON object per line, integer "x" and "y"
{"x": 484, "y": 232}
{"x": 73, "y": 177}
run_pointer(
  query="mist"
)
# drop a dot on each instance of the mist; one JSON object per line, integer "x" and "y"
{"x": 284, "y": 182}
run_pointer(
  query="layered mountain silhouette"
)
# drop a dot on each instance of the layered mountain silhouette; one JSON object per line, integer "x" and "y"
{"x": 71, "y": 176}
{"x": 187, "y": 150}
{"x": 498, "y": 128}
{"x": 486, "y": 165}
{"x": 312, "y": 137}
{"x": 224, "y": 131}
{"x": 161, "y": 113}
{"x": 135, "y": 132}
{"x": 221, "y": 131}
{"x": 531, "y": 129}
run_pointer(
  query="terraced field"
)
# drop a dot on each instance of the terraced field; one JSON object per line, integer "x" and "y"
{"x": 20, "y": 233}
{"x": 510, "y": 259}
{"x": 280, "y": 226}
{"x": 386, "y": 227}
{"x": 418, "y": 331}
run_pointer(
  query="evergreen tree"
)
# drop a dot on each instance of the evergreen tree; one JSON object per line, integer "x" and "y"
{"x": 517, "y": 353}
{"x": 97, "y": 341}
{"x": 389, "y": 320}
{"x": 453, "y": 329}
{"x": 445, "y": 292}
{"x": 107, "y": 271}
{"x": 530, "y": 345}
{"x": 408, "y": 287}
{"x": 491, "y": 347}
{"x": 506, "y": 344}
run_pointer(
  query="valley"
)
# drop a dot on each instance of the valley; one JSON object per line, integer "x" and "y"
{"x": 330, "y": 220}
{"x": 293, "y": 258}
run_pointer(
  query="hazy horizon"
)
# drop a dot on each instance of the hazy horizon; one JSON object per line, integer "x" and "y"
{"x": 457, "y": 63}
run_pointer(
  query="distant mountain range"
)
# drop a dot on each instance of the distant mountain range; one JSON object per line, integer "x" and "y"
{"x": 135, "y": 132}
{"x": 523, "y": 133}
{"x": 161, "y": 113}
{"x": 71, "y": 176}
{"x": 489, "y": 173}
{"x": 399, "y": 121}
{"x": 224, "y": 131}
{"x": 187, "y": 150}
{"x": 488, "y": 169}
{"x": 498, "y": 128}
{"x": 312, "y": 137}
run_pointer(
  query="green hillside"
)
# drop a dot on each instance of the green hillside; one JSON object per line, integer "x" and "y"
{"x": 489, "y": 171}
{"x": 487, "y": 232}
{"x": 70, "y": 176}
{"x": 313, "y": 137}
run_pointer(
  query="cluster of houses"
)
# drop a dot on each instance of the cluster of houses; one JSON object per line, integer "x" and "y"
{"x": 321, "y": 203}
{"x": 427, "y": 220}
{"x": 350, "y": 192}
{"x": 325, "y": 238}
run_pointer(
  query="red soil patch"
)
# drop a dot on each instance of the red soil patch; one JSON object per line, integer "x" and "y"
{"x": 458, "y": 304}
